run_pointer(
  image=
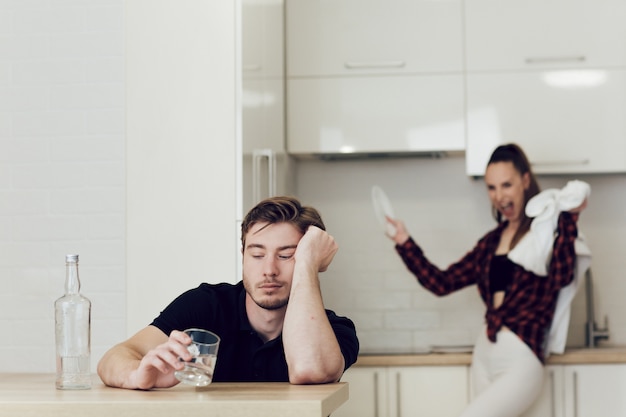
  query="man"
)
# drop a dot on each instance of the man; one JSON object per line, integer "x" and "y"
{"x": 273, "y": 325}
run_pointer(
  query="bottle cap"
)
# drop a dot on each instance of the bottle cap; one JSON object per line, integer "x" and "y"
{"x": 71, "y": 258}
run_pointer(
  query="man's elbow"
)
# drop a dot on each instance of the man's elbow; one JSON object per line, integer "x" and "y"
{"x": 318, "y": 375}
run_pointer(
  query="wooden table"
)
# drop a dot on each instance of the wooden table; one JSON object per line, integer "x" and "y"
{"x": 26, "y": 395}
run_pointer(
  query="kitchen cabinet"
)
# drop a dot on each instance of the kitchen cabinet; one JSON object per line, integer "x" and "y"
{"x": 534, "y": 34}
{"x": 435, "y": 391}
{"x": 553, "y": 82}
{"x": 262, "y": 26}
{"x": 375, "y": 115}
{"x": 368, "y": 392}
{"x": 385, "y": 79}
{"x": 582, "y": 391}
{"x": 550, "y": 401}
{"x": 356, "y": 37}
{"x": 562, "y": 128}
{"x": 592, "y": 390}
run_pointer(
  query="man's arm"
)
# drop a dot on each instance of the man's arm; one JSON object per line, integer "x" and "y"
{"x": 311, "y": 348}
{"x": 146, "y": 360}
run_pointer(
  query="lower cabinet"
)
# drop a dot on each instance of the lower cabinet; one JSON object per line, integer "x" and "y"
{"x": 582, "y": 391}
{"x": 588, "y": 390}
{"x": 550, "y": 402}
{"x": 434, "y": 391}
{"x": 595, "y": 390}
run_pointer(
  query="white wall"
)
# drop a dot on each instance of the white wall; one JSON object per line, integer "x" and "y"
{"x": 61, "y": 171}
{"x": 62, "y": 189}
{"x": 181, "y": 150}
{"x": 446, "y": 212}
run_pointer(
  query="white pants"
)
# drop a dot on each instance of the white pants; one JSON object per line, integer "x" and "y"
{"x": 506, "y": 377}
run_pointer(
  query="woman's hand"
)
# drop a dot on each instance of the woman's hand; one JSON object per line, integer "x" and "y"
{"x": 401, "y": 235}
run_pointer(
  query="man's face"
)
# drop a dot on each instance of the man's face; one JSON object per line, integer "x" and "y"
{"x": 268, "y": 262}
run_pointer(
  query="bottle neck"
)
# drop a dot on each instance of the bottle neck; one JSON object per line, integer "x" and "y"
{"x": 72, "y": 283}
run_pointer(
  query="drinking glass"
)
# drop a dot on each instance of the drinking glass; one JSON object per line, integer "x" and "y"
{"x": 199, "y": 370}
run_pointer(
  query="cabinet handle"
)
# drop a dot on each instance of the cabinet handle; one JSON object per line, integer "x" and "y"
{"x": 398, "y": 396}
{"x": 575, "y": 378}
{"x": 562, "y": 162}
{"x": 552, "y": 390}
{"x": 555, "y": 59}
{"x": 374, "y": 64}
{"x": 375, "y": 394}
{"x": 257, "y": 175}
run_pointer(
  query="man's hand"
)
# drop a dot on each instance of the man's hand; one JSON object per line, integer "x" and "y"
{"x": 317, "y": 248}
{"x": 157, "y": 367}
{"x": 147, "y": 360}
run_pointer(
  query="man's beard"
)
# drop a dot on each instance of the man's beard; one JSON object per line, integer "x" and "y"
{"x": 271, "y": 304}
{"x": 274, "y": 304}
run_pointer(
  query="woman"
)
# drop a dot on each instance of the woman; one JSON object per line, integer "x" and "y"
{"x": 507, "y": 366}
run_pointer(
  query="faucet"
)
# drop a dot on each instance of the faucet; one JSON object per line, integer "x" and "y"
{"x": 592, "y": 332}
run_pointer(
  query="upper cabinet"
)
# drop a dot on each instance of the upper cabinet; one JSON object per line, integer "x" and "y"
{"x": 262, "y": 64}
{"x": 550, "y": 76}
{"x": 563, "y": 127}
{"x": 538, "y": 34}
{"x": 416, "y": 76}
{"x": 374, "y": 76}
{"x": 351, "y": 37}
{"x": 262, "y": 39}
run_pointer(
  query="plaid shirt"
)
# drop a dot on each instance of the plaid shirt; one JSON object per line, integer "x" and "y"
{"x": 528, "y": 306}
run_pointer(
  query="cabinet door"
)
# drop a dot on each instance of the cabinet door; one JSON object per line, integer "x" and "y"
{"x": 375, "y": 114}
{"x": 550, "y": 402}
{"x": 262, "y": 39}
{"x": 566, "y": 121}
{"x": 594, "y": 390}
{"x": 263, "y": 138}
{"x": 333, "y": 37}
{"x": 368, "y": 395}
{"x": 528, "y": 34}
{"x": 433, "y": 391}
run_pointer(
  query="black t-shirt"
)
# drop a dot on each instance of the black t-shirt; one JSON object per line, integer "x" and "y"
{"x": 242, "y": 355}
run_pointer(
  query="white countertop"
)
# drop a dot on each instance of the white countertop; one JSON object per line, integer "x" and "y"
{"x": 571, "y": 356}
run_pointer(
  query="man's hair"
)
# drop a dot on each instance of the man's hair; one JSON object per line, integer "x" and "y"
{"x": 281, "y": 210}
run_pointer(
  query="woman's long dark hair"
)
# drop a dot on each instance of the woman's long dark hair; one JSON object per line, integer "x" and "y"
{"x": 513, "y": 153}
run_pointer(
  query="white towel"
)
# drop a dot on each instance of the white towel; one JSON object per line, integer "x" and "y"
{"x": 557, "y": 337}
{"x": 534, "y": 250}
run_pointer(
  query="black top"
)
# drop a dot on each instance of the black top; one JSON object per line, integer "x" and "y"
{"x": 242, "y": 355}
{"x": 500, "y": 273}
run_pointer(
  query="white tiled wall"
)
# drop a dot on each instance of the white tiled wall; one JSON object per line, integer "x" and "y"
{"x": 62, "y": 174}
{"x": 446, "y": 212}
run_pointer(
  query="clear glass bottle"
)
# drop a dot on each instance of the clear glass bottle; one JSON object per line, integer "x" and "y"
{"x": 73, "y": 332}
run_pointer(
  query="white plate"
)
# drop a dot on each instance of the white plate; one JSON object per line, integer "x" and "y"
{"x": 382, "y": 208}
